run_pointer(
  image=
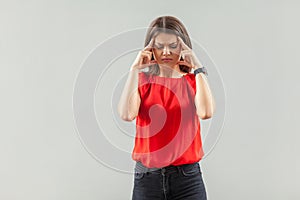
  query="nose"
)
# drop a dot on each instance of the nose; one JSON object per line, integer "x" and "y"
{"x": 166, "y": 51}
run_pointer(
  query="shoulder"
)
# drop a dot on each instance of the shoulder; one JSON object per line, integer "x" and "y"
{"x": 190, "y": 76}
{"x": 143, "y": 77}
{"x": 142, "y": 73}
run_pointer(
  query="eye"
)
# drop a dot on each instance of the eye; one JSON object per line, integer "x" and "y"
{"x": 159, "y": 47}
{"x": 173, "y": 46}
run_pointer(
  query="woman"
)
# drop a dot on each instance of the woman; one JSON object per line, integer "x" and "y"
{"x": 167, "y": 101}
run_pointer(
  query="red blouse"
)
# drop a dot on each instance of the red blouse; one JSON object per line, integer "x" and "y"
{"x": 167, "y": 126}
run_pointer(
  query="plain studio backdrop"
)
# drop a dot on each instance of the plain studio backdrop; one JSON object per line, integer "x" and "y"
{"x": 255, "y": 45}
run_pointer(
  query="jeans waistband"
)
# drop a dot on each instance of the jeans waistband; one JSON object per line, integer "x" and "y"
{"x": 140, "y": 168}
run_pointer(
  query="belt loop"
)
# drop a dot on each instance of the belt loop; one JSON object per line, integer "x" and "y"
{"x": 178, "y": 168}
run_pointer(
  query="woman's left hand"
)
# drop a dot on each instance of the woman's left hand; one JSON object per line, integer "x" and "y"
{"x": 189, "y": 58}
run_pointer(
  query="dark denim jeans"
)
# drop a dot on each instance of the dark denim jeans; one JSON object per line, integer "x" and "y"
{"x": 182, "y": 182}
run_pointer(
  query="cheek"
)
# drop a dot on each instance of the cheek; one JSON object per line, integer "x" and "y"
{"x": 177, "y": 51}
{"x": 156, "y": 53}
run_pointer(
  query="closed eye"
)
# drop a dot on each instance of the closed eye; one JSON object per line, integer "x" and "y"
{"x": 159, "y": 47}
{"x": 173, "y": 46}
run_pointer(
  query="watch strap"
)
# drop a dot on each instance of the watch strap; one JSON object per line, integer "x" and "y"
{"x": 201, "y": 70}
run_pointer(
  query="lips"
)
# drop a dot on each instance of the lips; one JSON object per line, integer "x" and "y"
{"x": 166, "y": 59}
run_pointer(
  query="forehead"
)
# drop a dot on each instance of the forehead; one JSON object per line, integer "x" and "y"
{"x": 165, "y": 38}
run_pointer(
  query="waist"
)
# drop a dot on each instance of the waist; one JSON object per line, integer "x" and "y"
{"x": 140, "y": 168}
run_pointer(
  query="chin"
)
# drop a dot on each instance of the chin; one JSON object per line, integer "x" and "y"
{"x": 169, "y": 64}
{"x": 166, "y": 65}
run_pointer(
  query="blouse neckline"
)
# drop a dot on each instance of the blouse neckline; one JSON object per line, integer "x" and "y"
{"x": 171, "y": 78}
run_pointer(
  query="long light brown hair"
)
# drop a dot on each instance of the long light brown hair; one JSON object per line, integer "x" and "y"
{"x": 167, "y": 24}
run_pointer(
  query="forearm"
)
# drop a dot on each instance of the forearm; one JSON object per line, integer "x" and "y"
{"x": 204, "y": 100}
{"x": 130, "y": 99}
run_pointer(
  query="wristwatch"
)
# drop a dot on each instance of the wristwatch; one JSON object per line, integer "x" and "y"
{"x": 201, "y": 70}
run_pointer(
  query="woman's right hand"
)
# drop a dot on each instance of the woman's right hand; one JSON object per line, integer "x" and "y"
{"x": 143, "y": 58}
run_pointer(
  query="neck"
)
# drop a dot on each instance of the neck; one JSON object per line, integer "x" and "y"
{"x": 170, "y": 72}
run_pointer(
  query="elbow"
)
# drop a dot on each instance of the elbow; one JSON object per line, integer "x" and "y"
{"x": 127, "y": 118}
{"x": 125, "y": 114}
{"x": 205, "y": 114}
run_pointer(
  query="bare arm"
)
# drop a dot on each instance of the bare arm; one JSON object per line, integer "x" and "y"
{"x": 204, "y": 100}
{"x": 130, "y": 99}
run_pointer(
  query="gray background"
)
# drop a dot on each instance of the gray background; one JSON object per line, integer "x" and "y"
{"x": 43, "y": 43}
